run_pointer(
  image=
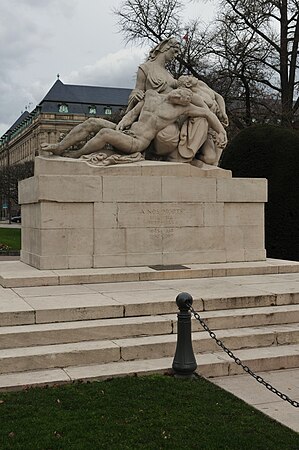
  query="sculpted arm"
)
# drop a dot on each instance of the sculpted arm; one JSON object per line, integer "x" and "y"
{"x": 130, "y": 117}
{"x": 214, "y": 122}
{"x": 222, "y": 111}
{"x": 140, "y": 80}
{"x": 220, "y": 102}
{"x": 198, "y": 101}
{"x": 137, "y": 93}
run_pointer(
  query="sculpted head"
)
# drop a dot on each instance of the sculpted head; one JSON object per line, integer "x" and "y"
{"x": 187, "y": 81}
{"x": 170, "y": 47}
{"x": 181, "y": 96}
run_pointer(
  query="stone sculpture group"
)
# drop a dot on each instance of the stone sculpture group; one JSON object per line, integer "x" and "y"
{"x": 180, "y": 120}
{"x": 79, "y": 214}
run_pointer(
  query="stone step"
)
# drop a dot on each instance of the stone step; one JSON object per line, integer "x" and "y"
{"x": 209, "y": 365}
{"x": 152, "y": 347}
{"x": 252, "y": 317}
{"x": 68, "y": 332}
{"x": 119, "y": 328}
{"x": 87, "y": 330}
{"x": 18, "y": 274}
{"x": 16, "y": 308}
{"x": 148, "y": 347}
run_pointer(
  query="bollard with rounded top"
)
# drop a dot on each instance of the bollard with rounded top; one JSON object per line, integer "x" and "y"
{"x": 184, "y": 362}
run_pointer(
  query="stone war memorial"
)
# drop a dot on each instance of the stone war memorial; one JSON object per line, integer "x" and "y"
{"x": 146, "y": 191}
{"x": 119, "y": 222}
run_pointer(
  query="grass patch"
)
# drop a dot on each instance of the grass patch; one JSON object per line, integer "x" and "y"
{"x": 137, "y": 413}
{"x": 11, "y": 237}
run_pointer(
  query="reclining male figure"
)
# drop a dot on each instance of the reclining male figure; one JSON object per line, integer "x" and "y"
{"x": 155, "y": 112}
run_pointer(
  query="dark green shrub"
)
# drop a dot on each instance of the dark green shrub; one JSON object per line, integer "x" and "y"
{"x": 273, "y": 153}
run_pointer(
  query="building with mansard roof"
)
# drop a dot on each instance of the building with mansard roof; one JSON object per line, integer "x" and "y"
{"x": 63, "y": 107}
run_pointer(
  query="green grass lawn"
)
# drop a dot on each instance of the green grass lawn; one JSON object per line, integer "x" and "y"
{"x": 137, "y": 413}
{"x": 11, "y": 237}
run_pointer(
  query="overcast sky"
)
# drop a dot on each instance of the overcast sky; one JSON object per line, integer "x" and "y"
{"x": 79, "y": 39}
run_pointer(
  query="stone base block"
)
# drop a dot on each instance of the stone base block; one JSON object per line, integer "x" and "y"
{"x": 147, "y": 213}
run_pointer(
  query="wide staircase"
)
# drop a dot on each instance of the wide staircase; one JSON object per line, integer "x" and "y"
{"x": 100, "y": 330}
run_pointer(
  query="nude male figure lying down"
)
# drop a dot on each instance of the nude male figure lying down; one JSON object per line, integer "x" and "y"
{"x": 154, "y": 113}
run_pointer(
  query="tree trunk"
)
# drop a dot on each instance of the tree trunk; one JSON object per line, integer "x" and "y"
{"x": 286, "y": 87}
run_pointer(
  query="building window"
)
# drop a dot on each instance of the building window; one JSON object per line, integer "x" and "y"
{"x": 63, "y": 108}
{"x": 108, "y": 110}
{"x": 92, "y": 109}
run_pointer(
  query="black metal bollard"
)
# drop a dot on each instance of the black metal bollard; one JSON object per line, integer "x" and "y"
{"x": 184, "y": 362}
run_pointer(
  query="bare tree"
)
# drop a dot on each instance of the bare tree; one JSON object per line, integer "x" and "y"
{"x": 238, "y": 53}
{"x": 249, "y": 54}
{"x": 9, "y": 178}
{"x": 154, "y": 20}
{"x": 276, "y": 23}
{"x": 151, "y": 20}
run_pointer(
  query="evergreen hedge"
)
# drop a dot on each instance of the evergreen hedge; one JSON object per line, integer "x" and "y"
{"x": 271, "y": 152}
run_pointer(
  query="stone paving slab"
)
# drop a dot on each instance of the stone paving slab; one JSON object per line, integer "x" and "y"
{"x": 60, "y": 355}
{"x": 45, "y": 291}
{"x": 133, "y": 286}
{"x": 83, "y": 330}
{"x": 152, "y": 347}
{"x": 266, "y": 358}
{"x": 156, "y": 301}
{"x": 244, "y": 317}
{"x": 14, "y": 309}
{"x": 9, "y": 258}
{"x": 253, "y": 393}
{"x": 19, "y": 274}
{"x": 263, "y": 279}
{"x": 94, "y": 301}
{"x": 248, "y": 347}
{"x": 141, "y": 367}
{"x": 62, "y": 308}
{"x": 18, "y": 381}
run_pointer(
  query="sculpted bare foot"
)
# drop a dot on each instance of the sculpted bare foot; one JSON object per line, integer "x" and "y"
{"x": 54, "y": 148}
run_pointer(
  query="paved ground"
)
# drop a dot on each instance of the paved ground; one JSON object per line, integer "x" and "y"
{"x": 6, "y": 224}
{"x": 249, "y": 390}
{"x": 9, "y": 258}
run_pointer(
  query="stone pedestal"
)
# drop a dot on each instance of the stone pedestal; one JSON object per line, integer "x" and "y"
{"x": 148, "y": 213}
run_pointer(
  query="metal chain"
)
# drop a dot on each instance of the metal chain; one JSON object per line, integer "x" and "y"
{"x": 240, "y": 363}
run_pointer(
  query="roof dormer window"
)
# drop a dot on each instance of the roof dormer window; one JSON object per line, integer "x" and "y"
{"x": 92, "y": 109}
{"x": 63, "y": 108}
{"x": 108, "y": 110}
